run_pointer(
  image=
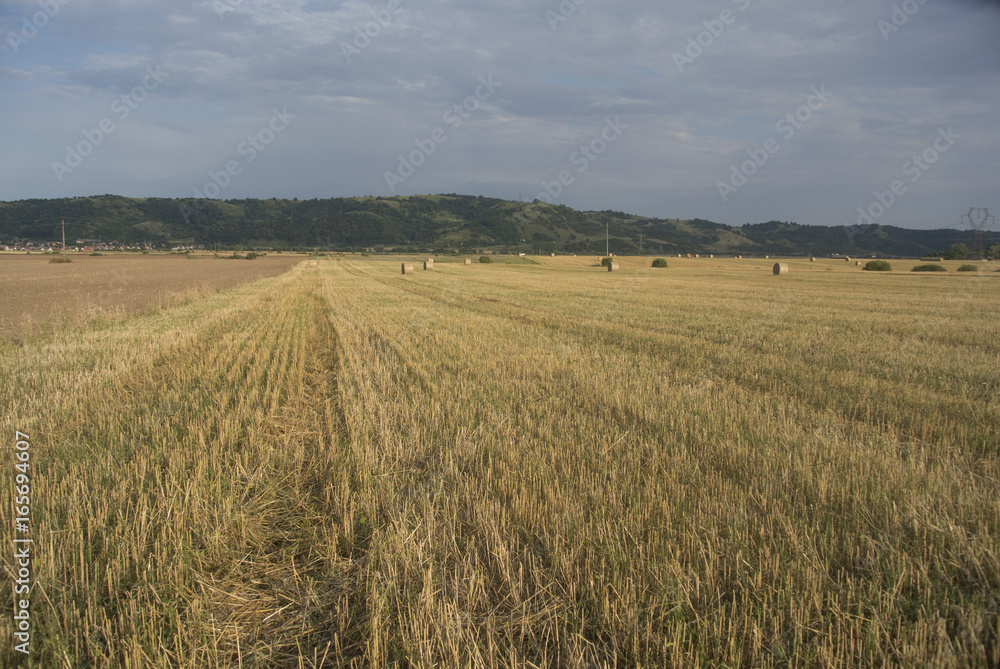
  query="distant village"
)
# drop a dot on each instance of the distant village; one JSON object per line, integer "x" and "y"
{"x": 89, "y": 245}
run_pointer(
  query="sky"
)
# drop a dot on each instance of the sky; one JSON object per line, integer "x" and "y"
{"x": 737, "y": 111}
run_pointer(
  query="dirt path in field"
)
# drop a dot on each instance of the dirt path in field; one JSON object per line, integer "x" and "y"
{"x": 39, "y": 295}
{"x": 288, "y": 593}
{"x": 217, "y": 462}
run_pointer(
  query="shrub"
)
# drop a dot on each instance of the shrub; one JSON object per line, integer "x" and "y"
{"x": 485, "y": 259}
{"x": 930, "y": 268}
{"x": 660, "y": 262}
{"x": 59, "y": 260}
{"x": 606, "y": 262}
{"x": 878, "y": 266}
{"x": 253, "y": 255}
{"x": 968, "y": 268}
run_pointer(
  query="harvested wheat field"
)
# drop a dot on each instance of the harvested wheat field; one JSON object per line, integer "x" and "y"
{"x": 538, "y": 465}
{"x": 39, "y": 295}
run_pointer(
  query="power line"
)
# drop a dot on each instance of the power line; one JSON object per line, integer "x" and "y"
{"x": 978, "y": 219}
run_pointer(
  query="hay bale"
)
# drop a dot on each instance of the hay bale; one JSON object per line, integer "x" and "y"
{"x": 553, "y": 255}
{"x": 407, "y": 268}
{"x": 678, "y": 255}
{"x": 767, "y": 257}
{"x": 612, "y": 266}
{"x": 847, "y": 258}
{"x": 857, "y": 263}
{"x": 739, "y": 257}
{"x": 696, "y": 255}
{"x": 428, "y": 264}
{"x": 812, "y": 260}
{"x": 712, "y": 256}
{"x": 689, "y": 255}
{"x": 780, "y": 268}
{"x": 468, "y": 261}
{"x": 312, "y": 263}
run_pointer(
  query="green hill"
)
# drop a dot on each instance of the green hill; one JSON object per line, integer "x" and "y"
{"x": 439, "y": 223}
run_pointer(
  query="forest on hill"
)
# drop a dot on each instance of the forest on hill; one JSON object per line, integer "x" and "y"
{"x": 441, "y": 224}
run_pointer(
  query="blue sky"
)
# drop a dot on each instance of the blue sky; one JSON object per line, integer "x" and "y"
{"x": 289, "y": 98}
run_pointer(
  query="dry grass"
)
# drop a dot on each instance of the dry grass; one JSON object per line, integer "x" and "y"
{"x": 523, "y": 466}
{"x": 40, "y": 296}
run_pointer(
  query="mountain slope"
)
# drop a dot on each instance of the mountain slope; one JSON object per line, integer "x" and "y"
{"x": 440, "y": 223}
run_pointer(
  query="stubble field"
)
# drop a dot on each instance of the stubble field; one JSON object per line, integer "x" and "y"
{"x": 39, "y": 296}
{"x": 520, "y": 465}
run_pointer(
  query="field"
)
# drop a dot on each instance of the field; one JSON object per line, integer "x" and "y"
{"x": 40, "y": 296}
{"x": 519, "y": 465}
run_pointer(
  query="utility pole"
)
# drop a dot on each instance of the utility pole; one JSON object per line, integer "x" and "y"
{"x": 978, "y": 219}
{"x": 607, "y": 239}
{"x": 63, "y": 221}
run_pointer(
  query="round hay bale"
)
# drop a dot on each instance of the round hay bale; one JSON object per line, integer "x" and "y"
{"x": 712, "y": 256}
{"x": 739, "y": 257}
{"x": 697, "y": 255}
{"x": 312, "y": 263}
{"x": 767, "y": 257}
{"x": 780, "y": 268}
{"x": 689, "y": 255}
{"x": 857, "y": 263}
{"x": 678, "y": 255}
{"x": 407, "y": 268}
{"x": 812, "y": 260}
{"x": 847, "y": 258}
{"x": 428, "y": 264}
{"x": 468, "y": 261}
{"x": 613, "y": 266}
{"x": 553, "y": 255}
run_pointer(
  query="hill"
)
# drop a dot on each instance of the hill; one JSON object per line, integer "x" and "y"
{"x": 439, "y": 223}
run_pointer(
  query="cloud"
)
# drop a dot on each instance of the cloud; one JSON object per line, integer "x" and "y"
{"x": 368, "y": 79}
{"x": 14, "y": 73}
